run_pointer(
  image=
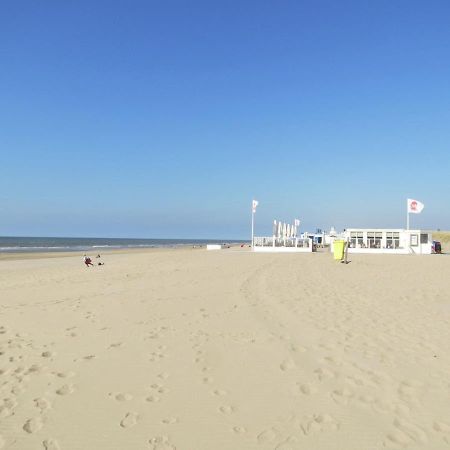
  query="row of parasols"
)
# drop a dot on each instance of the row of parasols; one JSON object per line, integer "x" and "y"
{"x": 283, "y": 230}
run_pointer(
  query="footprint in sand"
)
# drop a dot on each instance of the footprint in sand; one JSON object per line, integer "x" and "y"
{"x": 35, "y": 369}
{"x": 305, "y": 388}
{"x": 409, "y": 392}
{"x": 297, "y": 348}
{"x": 47, "y": 354}
{"x": 267, "y": 436}
{"x": 342, "y": 396}
{"x": 227, "y": 409}
{"x": 129, "y": 420}
{"x": 319, "y": 423}
{"x": 153, "y": 399}
{"x": 121, "y": 397}
{"x": 239, "y": 430}
{"x": 156, "y": 356}
{"x": 286, "y": 365}
{"x": 291, "y": 443}
{"x": 64, "y": 374}
{"x": 66, "y": 389}
{"x": 383, "y": 406}
{"x": 17, "y": 390}
{"x": 444, "y": 430}
{"x": 366, "y": 399}
{"x": 159, "y": 388}
{"x": 7, "y": 407}
{"x": 33, "y": 425}
{"x": 42, "y": 403}
{"x": 116, "y": 345}
{"x": 51, "y": 444}
{"x": 441, "y": 427}
{"x": 219, "y": 392}
{"x": 161, "y": 443}
{"x": 170, "y": 420}
{"x": 323, "y": 374}
{"x": 406, "y": 433}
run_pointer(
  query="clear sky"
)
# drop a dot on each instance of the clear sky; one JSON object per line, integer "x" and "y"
{"x": 165, "y": 118}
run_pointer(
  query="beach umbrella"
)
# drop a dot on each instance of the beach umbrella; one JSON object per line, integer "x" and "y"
{"x": 288, "y": 230}
{"x": 296, "y": 224}
{"x": 284, "y": 230}
{"x": 280, "y": 229}
{"x": 274, "y": 228}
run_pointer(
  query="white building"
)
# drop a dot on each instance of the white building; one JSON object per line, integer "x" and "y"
{"x": 393, "y": 241}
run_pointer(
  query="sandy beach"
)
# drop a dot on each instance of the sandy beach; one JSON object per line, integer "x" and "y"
{"x": 194, "y": 350}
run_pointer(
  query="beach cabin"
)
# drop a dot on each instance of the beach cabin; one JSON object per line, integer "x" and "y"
{"x": 391, "y": 241}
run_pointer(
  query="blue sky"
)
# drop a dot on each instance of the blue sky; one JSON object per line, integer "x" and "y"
{"x": 165, "y": 119}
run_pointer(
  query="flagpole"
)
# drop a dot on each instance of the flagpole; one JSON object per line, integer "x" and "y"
{"x": 407, "y": 214}
{"x": 253, "y": 223}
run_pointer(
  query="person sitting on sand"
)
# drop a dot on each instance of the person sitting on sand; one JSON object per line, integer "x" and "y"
{"x": 88, "y": 261}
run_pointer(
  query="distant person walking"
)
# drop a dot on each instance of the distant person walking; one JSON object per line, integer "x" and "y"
{"x": 88, "y": 261}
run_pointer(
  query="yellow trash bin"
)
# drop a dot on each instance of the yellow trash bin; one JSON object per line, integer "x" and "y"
{"x": 339, "y": 247}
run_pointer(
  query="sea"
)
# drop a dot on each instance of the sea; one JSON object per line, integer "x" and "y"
{"x": 62, "y": 244}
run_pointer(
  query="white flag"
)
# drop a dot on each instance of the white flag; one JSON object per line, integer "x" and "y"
{"x": 414, "y": 206}
{"x": 254, "y": 205}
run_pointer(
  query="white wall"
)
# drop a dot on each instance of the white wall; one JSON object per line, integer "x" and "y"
{"x": 404, "y": 242}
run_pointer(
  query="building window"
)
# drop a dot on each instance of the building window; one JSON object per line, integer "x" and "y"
{"x": 356, "y": 239}
{"x": 424, "y": 238}
{"x": 414, "y": 240}
{"x": 374, "y": 239}
{"x": 392, "y": 239}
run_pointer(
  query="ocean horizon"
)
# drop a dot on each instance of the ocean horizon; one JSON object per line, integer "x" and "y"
{"x": 25, "y": 244}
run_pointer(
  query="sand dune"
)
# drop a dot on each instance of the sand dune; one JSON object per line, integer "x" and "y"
{"x": 196, "y": 350}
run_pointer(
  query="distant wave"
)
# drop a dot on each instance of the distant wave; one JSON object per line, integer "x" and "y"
{"x": 39, "y": 244}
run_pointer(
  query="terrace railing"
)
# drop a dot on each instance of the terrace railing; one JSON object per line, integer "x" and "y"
{"x": 271, "y": 241}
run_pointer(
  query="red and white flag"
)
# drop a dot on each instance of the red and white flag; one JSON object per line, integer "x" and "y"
{"x": 414, "y": 206}
{"x": 255, "y": 203}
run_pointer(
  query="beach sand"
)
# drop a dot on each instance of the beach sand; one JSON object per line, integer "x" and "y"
{"x": 196, "y": 350}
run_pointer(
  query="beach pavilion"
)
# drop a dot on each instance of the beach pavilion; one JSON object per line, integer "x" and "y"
{"x": 388, "y": 240}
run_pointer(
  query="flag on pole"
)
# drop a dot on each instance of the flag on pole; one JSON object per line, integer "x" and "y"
{"x": 254, "y": 205}
{"x": 414, "y": 206}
